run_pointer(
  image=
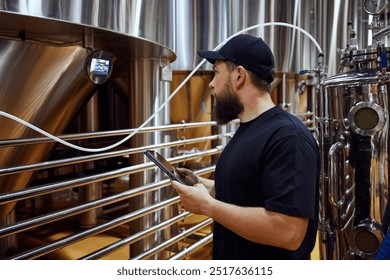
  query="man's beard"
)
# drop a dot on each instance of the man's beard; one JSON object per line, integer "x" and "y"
{"x": 227, "y": 105}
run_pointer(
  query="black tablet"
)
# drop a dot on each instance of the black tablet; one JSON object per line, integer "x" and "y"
{"x": 163, "y": 164}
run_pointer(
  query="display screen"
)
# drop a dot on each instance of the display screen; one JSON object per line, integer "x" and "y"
{"x": 100, "y": 66}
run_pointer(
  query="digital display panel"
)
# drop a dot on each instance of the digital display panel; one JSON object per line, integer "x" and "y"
{"x": 100, "y": 66}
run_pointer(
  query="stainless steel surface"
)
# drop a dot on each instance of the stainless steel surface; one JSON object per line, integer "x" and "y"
{"x": 205, "y": 24}
{"x": 95, "y": 230}
{"x": 150, "y": 19}
{"x": 163, "y": 245}
{"x": 135, "y": 237}
{"x": 353, "y": 131}
{"x": 337, "y": 177}
{"x": 366, "y": 238}
{"x": 100, "y": 134}
{"x": 71, "y": 183}
{"x": 42, "y": 98}
{"x": 49, "y": 58}
{"x": 196, "y": 246}
{"x": 54, "y": 216}
{"x": 188, "y": 25}
{"x": 43, "y": 46}
{"x": 88, "y": 158}
{"x": 155, "y": 90}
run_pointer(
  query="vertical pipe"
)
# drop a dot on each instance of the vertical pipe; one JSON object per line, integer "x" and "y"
{"x": 8, "y": 242}
{"x": 149, "y": 88}
{"x": 92, "y": 191}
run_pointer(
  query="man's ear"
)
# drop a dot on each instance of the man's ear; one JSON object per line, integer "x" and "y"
{"x": 241, "y": 76}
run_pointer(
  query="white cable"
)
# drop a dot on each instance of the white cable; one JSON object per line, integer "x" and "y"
{"x": 59, "y": 140}
{"x": 95, "y": 150}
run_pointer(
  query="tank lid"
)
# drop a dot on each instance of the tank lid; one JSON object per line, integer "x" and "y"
{"x": 53, "y": 32}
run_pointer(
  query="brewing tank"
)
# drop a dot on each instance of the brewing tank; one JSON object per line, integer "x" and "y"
{"x": 353, "y": 125}
{"x": 45, "y": 83}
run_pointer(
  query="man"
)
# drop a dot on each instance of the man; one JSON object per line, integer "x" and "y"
{"x": 266, "y": 201}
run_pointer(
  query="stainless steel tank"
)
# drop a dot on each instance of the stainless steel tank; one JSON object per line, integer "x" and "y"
{"x": 45, "y": 80}
{"x": 353, "y": 135}
{"x": 353, "y": 123}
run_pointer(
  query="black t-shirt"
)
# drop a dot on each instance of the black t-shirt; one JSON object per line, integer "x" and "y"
{"x": 271, "y": 162}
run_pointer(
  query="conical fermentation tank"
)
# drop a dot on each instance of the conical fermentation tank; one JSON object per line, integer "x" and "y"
{"x": 50, "y": 74}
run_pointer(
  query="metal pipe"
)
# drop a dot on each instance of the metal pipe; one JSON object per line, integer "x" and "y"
{"x": 173, "y": 240}
{"x": 92, "y": 191}
{"x": 66, "y": 241}
{"x": 62, "y": 214}
{"x": 285, "y": 103}
{"x": 100, "y": 134}
{"x": 133, "y": 238}
{"x": 197, "y": 245}
{"x": 336, "y": 181}
{"x": 75, "y": 160}
{"x": 378, "y": 35}
{"x": 63, "y": 185}
{"x": 11, "y": 241}
{"x": 49, "y": 188}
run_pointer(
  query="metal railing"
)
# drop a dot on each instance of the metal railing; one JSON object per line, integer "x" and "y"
{"x": 22, "y": 227}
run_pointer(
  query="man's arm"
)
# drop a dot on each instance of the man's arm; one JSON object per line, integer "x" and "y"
{"x": 253, "y": 223}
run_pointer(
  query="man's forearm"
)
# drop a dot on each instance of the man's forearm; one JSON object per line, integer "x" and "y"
{"x": 259, "y": 225}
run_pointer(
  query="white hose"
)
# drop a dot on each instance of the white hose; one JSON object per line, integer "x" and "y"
{"x": 96, "y": 150}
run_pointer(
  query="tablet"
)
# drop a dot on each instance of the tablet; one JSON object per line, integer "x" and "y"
{"x": 163, "y": 164}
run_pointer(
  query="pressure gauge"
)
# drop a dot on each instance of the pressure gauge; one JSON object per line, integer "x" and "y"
{"x": 374, "y": 7}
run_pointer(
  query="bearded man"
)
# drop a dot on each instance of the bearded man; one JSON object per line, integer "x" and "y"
{"x": 266, "y": 178}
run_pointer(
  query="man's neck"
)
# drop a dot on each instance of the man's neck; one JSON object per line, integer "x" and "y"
{"x": 255, "y": 107}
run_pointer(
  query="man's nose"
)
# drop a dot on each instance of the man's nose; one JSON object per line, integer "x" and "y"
{"x": 211, "y": 84}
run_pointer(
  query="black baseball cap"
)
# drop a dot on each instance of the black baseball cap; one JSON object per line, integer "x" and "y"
{"x": 248, "y": 51}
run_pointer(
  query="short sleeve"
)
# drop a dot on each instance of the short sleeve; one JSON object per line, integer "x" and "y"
{"x": 290, "y": 177}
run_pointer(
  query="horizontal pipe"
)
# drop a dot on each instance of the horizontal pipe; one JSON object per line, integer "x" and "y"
{"x": 68, "y": 184}
{"x": 66, "y": 241}
{"x": 134, "y": 238}
{"x": 87, "y": 158}
{"x": 196, "y": 246}
{"x": 50, "y": 188}
{"x": 89, "y": 135}
{"x": 304, "y": 114}
{"x": 383, "y": 32}
{"x": 158, "y": 248}
{"x": 62, "y": 214}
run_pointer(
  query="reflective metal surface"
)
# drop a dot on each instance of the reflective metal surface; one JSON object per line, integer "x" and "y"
{"x": 353, "y": 119}
{"x": 43, "y": 48}
{"x": 186, "y": 26}
{"x": 152, "y": 19}
{"x": 43, "y": 65}
{"x": 366, "y": 238}
{"x": 36, "y": 91}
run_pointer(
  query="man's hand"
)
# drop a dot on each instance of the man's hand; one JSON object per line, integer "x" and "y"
{"x": 195, "y": 199}
{"x": 189, "y": 177}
